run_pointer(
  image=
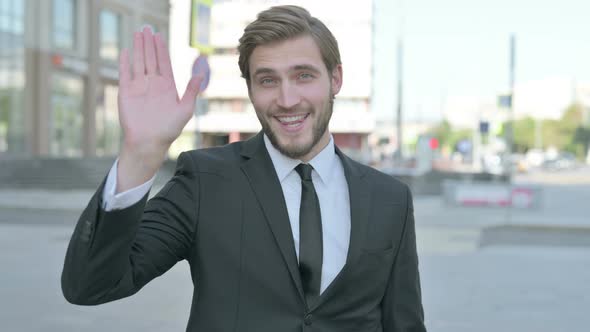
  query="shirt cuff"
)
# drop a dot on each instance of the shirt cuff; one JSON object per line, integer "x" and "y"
{"x": 112, "y": 201}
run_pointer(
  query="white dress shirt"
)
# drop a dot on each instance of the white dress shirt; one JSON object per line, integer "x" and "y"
{"x": 332, "y": 190}
{"x": 112, "y": 201}
{"x": 330, "y": 185}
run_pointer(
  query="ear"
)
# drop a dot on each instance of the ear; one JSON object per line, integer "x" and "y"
{"x": 336, "y": 79}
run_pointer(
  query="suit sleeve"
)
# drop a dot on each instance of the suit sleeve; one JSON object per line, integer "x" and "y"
{"x": 402, "y": 303}
{"x": 113, "y": 254}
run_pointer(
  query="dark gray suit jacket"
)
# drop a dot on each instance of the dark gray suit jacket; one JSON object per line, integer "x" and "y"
{"x": 224, "y": 212}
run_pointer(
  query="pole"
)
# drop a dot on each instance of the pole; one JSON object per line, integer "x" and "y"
{"x": 399, "y": 98}
{"x": 510, "y": 122}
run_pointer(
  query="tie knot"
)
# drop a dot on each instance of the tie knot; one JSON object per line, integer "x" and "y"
{"x": 304, "y": 171}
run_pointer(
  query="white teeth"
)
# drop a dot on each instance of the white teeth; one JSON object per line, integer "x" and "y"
{"x": 287, "y": 119}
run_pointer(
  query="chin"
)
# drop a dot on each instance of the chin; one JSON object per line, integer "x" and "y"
{"x": 293, "y": 149}
{"x": 292, "y": 145}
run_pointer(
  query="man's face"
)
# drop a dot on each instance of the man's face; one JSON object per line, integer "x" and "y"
{"x": 292, "y": 93}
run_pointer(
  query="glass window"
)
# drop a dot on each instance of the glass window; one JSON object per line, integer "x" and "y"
{"x": 64, "y": 24}
{"x": 12, "y": 77}
{"x": 108, "y": 130}
{"x": 66, "y": 120}
{"x": 110, "y": 35}
{"x": 11, "y": 16}
{"x": 11, "y": 119}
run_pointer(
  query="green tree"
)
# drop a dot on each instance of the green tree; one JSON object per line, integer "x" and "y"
{"x": 442, "y": 132}
{"x": 566, "y": 134}
{"x": 524, "y": 134}
{"x": 561, "y": 133}
{"x": 449, "y": 137}
{"x": 582, "y": 140}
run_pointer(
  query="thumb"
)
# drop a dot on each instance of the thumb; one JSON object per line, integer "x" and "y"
{"x": 192, "y": 89}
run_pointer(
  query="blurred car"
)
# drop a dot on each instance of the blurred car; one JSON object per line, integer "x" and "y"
{"x": 519, "y": 163}
{"x": 535, "y": 157}
{"x": 563, "y": 161}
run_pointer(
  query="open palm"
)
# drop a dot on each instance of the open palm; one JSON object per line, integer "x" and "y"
{"x": 150, "y": 111}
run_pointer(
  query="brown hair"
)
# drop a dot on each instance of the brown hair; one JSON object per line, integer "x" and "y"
{"x": 283, "y": 22}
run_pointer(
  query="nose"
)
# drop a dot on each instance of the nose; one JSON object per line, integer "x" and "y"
{"x": 288, "y": 95}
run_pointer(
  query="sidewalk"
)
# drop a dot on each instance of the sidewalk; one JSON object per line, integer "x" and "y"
{"x": 44, "y": 199}
{"x": 433, "y": 211}
{"x": 429, "y": 210}
{"x": 73, "y": 200}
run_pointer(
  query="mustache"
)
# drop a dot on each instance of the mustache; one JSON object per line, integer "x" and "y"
{"x": 278, "y": 111}
{"x": 289, "y": 111}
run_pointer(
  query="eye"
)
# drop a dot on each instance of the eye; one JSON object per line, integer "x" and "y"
{"x": 305, "y": 76}
{"x": 267, "y": 81}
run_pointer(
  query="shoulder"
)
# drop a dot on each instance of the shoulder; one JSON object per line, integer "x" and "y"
{"x": 210, "y": 160}
{"x": 386, "y": 186}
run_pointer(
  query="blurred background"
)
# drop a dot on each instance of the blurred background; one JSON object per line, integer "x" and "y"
{"x": 482, "y": 107}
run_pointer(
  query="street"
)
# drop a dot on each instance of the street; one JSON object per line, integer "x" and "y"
{"x": 482, "y": 269}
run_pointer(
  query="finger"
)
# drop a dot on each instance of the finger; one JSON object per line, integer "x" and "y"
{"x": 124, "y": 74}
{"x": 149, "y": 51}
{"x": 138, "y": 63}
{"x": 163, "y": 57}
{"x": 192, "y": 89}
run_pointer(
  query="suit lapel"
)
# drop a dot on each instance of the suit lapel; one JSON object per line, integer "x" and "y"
{"x": 258, "y": 168}
{"x": 360, "y": 199}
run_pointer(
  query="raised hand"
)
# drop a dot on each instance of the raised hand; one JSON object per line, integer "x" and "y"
{"x": 150, "y": 110}
{"x": 151, "y": 114}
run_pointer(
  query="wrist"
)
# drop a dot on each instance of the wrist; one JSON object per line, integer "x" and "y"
{"x": 146, "y": 153}
{"x": 138, "y": 164}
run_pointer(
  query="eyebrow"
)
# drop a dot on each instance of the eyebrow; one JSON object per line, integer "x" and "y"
{"x": 263, "y": 70}
{"x": 266, "y": 70}
{"x": 306, "y": 67}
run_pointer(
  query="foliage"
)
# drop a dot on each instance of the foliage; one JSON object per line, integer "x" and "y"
{"x": 566, "y": 134}
{"x": 524, "y": 134}
{"x": 449, "y": 137}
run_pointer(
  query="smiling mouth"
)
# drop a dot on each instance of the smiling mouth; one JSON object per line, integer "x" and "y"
{"x": 292, "y": 121}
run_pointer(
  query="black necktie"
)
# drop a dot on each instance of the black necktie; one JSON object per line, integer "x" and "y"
{"x": 310, "y": 236}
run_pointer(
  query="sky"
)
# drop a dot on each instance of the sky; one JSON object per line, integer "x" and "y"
{"x": 461, "y": 48}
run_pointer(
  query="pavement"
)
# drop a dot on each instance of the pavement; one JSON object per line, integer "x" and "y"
{"x": 44, "y": 199}
{"x": 559, "y": 208}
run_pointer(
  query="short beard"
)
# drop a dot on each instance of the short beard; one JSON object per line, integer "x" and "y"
{"x": 318, "y": 130}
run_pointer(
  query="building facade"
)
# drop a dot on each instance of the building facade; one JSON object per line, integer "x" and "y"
{"x": 59, "y": 73}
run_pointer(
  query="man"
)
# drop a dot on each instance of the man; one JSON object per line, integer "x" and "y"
{"x": 282, "y": 232}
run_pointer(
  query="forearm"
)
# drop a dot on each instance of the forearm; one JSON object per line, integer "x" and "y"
{"x": 97, "y": 266}
{"x": 111, "y": 200}
{"x": 138, "y": 164}
{"x": 112, "y": 254}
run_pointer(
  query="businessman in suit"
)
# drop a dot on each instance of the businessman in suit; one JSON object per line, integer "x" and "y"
{"x": 283, "y": 232}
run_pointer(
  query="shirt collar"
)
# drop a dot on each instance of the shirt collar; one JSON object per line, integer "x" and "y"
{"x": 323, "y": 162}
